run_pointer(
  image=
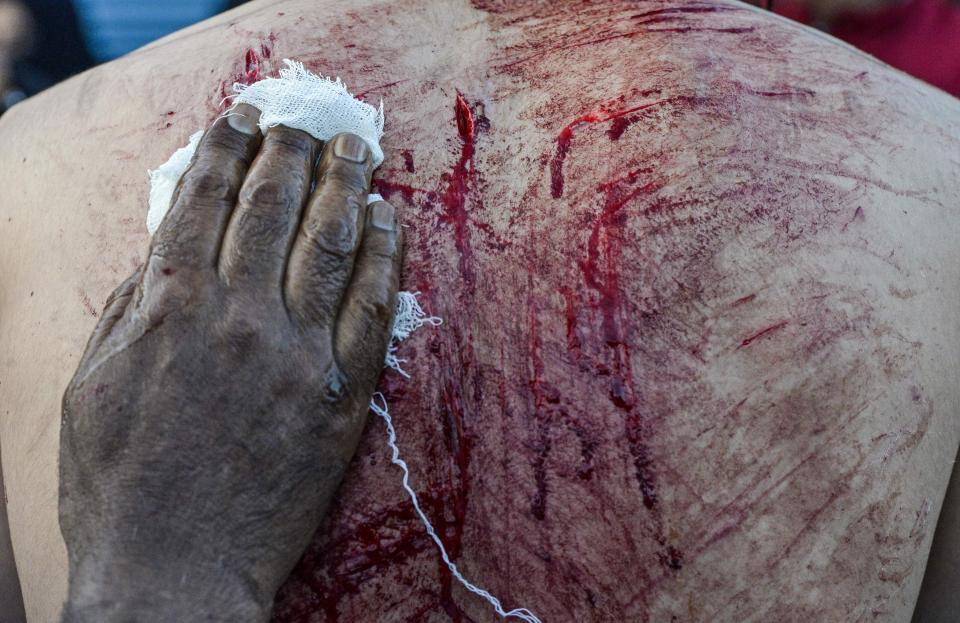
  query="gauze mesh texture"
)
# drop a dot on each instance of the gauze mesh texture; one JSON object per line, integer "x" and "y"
{"x": 319, "y": 106}
{"x": 164, "y": 180}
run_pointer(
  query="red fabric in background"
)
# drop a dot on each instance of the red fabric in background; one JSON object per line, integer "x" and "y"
{"x": 920, "y": 37}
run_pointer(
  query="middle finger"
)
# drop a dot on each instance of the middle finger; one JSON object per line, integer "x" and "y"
{"x": 261, "y": 228}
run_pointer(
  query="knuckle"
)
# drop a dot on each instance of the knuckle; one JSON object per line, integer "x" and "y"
{"x": 332, "y": 234}
{"x": 176, "y": 246}
{"x": 328, "y": 385}
{"x": 269, "y": 193}
{"x": 207, "y": 182}
{"x": 241, "y": 334}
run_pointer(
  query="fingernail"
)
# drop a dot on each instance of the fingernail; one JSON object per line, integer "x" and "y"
{"x": 244, "y": 118}
{"x": 383, "y": 216}
{"x": 351, "y": 147}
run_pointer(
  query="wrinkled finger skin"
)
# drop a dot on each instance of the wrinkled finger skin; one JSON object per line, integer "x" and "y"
{"x": 209, "y": 425}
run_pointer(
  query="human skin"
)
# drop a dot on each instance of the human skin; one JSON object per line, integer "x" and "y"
{"x": 222, "y": 394}
{"x": 698, "y": 272}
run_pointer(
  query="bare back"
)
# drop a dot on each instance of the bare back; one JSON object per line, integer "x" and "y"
{"x": 698, "y": 271}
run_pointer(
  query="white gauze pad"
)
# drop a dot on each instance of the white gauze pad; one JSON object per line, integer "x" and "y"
{"x": 321, "y": 107}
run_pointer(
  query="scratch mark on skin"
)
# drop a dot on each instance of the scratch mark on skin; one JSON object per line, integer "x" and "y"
{"x": 824, "y": 169}
{"x": 542, "y": 443}
{"x": 810, "y": 521}
{"x": 790, "y": 94}
{"x": 634, "y": 33}
{"x": 378, "y": 87}
{"x": 744, "y": 299}
{"x": 601, "y": 115}
{"x": 857, "y": 218}
{"x": 742, "y": 503}
{"x": 681, "y": 10}
{"x": 408, "y": 161}
{"x": 657, "y": 16}
{"x": 921, "y": 521}
{"x": 732, "y": 31}
{"x": 756, "y": 336}
{"x": 86, "y": 303}
{"x": 839, "y": 491}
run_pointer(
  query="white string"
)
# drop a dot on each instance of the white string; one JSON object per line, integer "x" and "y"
{"x": 381, "y": 410}
{"x": 410, "y": 317}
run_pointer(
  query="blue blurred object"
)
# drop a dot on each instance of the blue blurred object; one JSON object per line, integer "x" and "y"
{"x": 111, "y": 28}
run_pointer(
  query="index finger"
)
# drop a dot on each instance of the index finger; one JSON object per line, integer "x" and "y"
{"x": 191, "y": 232}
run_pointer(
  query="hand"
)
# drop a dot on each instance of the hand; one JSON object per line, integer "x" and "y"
{"x": 223, "y": 393}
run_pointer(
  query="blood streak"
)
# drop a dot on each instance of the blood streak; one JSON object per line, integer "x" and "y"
{"x": 570, "y": 311}
{"x": 556, "y": 165}
{"x": 460, "y": 182}
{"x": 464, "y": 118}
{"x": 605, "y": 235}
{"x": 458, "y": 188}
{"x": 389, "y": 188}
{"x": 541, "y": 444}
{"x": 251, "y": 68}
{"x": 601, "y": 273}
{"x": 756, "y": 336}
{"x": 266, "y": 48}
{"x": 453, "y": 503}
{"x": 680, "y": 11}
{"x": 603, "y": 114}
{"x": 348, "y": 562}
{"x": 744, "y": 299}
{"x": 733, "y": 31}
{"x": 250, "y": 72}
{"x": 619, "y": 126}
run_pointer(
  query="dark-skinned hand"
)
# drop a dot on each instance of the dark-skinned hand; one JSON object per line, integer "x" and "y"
{"x": 223, "y": 393}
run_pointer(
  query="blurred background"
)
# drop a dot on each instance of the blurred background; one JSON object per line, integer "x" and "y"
{"x": 45, "y": 41}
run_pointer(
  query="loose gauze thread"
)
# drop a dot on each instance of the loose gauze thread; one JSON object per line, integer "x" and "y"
{"x": 323, "y": 107}
{"x": 410, "y": 317}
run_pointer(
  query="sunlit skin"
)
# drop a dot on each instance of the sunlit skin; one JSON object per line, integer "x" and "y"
{"x": 697, "y": 268}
